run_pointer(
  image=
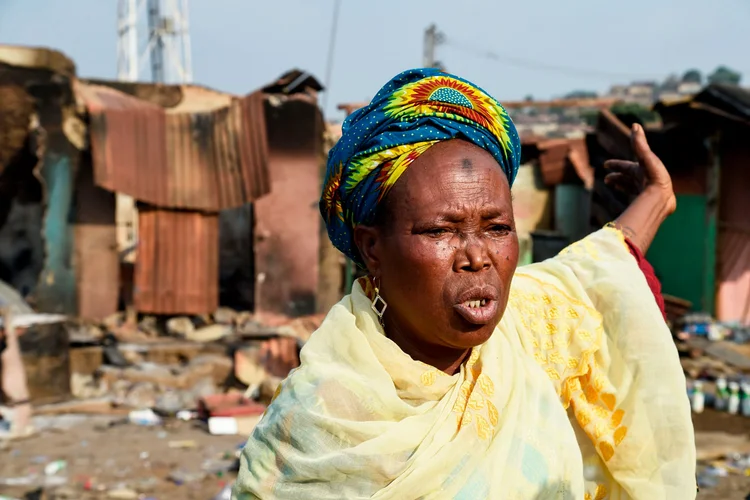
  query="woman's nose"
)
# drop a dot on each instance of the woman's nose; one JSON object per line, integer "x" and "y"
{"x": 475, "y": 257}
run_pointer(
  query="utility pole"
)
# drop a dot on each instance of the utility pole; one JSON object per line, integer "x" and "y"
{"x": 432, "y": 38}
{"x": 331, "y": 51}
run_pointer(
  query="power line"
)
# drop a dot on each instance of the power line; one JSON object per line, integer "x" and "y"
{"x": 536, "y": 65}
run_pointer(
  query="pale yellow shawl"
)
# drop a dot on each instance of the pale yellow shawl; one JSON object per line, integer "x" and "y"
{"x": 578, "y": 395}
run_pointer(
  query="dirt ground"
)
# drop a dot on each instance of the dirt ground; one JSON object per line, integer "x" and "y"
{"x": 104, "y": 457}
{"x": 734, "y": 486}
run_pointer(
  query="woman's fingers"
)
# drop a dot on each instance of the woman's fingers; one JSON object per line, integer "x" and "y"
{"x": 654, "y": 170}
{"x": 625, "y": 183}
{"x": 623, "y": 166}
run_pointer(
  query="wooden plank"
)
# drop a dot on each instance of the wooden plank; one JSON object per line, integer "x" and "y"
{"x": 732, "y": 354}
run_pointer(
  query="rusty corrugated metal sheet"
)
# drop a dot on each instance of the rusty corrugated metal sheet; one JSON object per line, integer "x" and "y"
{"x": 578, "y": 157}
{"x": 561, "y": 161}
{"x": 254, "y": 150}
{"x": 128, "y": 142}
{"x": 199, "y": 160}
{"x": 177, "y": 271}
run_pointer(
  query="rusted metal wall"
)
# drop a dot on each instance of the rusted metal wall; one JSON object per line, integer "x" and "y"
{"x": 733, "y": 260}
{"x": 96, "y": 260}
{"x": 564, "y": 161}
{"x": 177, "y": 271}
{"x": 206, "y": 152}
{"x": 206, "y": 160}
{"x": 287, "y": 234}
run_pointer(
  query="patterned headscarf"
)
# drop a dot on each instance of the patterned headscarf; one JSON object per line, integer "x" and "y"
{"x": 412, "y": 112}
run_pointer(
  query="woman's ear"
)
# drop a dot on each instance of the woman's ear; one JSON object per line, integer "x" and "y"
{"x": 367, "y": 240}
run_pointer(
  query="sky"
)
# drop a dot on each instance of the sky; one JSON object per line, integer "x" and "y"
{"x": 545, "y": 48}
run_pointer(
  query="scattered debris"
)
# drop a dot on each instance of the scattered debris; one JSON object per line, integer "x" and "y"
{"x": 210, "y": 333}
{"x": 180, "y": 326}
{"x": 144, "y": 417}
{"x": 225, "y": 493}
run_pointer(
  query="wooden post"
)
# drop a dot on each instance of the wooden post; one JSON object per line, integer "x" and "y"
{"x": 712, "y": 225}
{"x": 330, "y": 268}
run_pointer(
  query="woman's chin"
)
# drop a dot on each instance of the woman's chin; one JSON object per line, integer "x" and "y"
{"x": 471, "y": 338}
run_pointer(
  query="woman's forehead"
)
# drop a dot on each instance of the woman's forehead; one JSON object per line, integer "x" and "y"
{"x": 453, "y": 181}
{"x": 453, "y": 162}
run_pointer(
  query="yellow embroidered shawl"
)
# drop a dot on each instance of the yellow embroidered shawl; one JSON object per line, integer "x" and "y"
{"x": 578, "y": 395}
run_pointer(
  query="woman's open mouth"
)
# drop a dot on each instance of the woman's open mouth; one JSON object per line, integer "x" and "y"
{"x": 478, "y": 311}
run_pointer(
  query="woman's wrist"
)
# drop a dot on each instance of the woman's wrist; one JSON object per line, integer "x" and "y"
{"x": 641, "y": 220}
{"x": 661, "y": 199}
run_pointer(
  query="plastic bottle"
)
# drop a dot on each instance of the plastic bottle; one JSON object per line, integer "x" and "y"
{"x": 698, "y": 398}
{"x": 225, "y": 493}
{"x": 745, "y": 398}
{"x": 145, "y": 417}
{"x": 55, "y": 467}
{"x": 722, "y": 394}
{"x": 733, "y": 405}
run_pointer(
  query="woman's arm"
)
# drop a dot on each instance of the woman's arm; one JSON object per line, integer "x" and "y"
{"x": 656, "y": 199}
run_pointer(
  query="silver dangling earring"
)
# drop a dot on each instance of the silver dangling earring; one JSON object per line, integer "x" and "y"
{"x": 379, "y": 305}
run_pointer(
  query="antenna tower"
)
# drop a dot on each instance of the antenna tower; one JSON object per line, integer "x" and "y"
{"x": 154, "y": 33}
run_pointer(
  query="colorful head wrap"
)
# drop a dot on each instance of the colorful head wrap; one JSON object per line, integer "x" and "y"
{"x": 412, "y": 112}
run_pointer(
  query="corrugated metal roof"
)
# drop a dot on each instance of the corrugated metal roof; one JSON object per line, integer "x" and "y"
{"x": 562, "y": 160}
{"x": 177, "y": 271}
{"x": 292, "y": 82}
{"x": 209, "y": 153}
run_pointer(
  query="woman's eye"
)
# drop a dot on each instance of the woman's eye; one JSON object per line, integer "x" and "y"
{"x": 437, "y": 231}
{"x": 500, "y": 229}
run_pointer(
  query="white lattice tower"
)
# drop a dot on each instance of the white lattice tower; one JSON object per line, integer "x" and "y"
{"x": 155, "y": 34}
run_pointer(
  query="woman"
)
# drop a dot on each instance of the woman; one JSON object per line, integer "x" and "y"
{"x": 448, "y": 373}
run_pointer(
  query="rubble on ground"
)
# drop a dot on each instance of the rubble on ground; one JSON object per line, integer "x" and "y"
{"x": 181, "y": 380}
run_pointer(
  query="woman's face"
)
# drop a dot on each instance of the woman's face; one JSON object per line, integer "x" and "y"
{"x": 445, "y": 248}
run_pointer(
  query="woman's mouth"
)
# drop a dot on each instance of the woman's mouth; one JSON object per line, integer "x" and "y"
{"x": 477, "y": 311}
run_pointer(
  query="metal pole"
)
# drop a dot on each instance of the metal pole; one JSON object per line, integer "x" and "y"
{"x": 331, "y": 51}
{"x": 187, "y": 55}
{"x": 429, "y": 46}
{"x": 156, "y": 38}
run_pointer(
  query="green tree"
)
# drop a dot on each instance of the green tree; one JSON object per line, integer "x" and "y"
{"x": 692, "y": 76}
{"x": 581, "y": 94}
{"x": 589, "y": 117}
{"x": 639, "y": 113}
{"x": 722, "y": 74}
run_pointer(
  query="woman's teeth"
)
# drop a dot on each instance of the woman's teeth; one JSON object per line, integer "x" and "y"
{"x": 475, "y": 304}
